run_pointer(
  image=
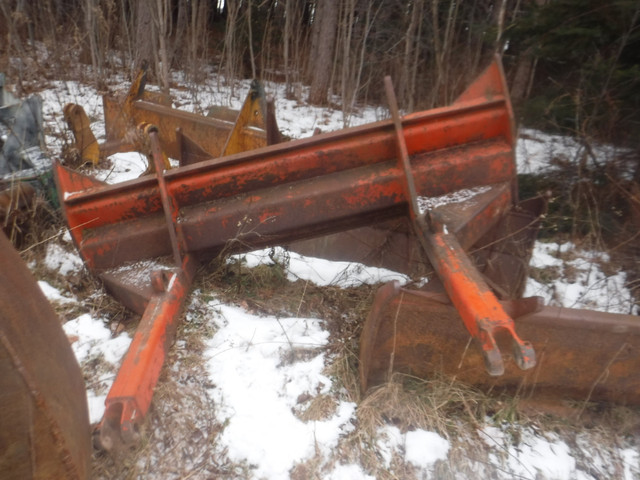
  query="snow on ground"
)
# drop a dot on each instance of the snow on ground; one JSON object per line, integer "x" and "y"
{"x": 320, "y": 271}
{"x": 534, "y": 456}
{"x": 261, "y": 367}
{"x": 578, "y": 281}
{"x": 262, "y": 370}
{"x": 93, "y": 341}
{"x": 537, "y": 151}
{"x": 252, "y": 361}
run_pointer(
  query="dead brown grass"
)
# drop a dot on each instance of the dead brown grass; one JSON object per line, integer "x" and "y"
{"x": 181, "y": 433}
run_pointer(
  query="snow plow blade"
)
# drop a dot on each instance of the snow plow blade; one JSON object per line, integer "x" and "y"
{"x": 582, "y": 355}
{"x": 184, "y": 136}
{"x": 326, "y": 184}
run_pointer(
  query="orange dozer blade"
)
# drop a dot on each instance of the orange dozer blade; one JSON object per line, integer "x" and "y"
{"x": 302, "y": 189}
{"x": 582, "y": 355}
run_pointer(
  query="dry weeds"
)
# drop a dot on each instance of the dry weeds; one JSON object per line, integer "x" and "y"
{"x": 181, "y": 435}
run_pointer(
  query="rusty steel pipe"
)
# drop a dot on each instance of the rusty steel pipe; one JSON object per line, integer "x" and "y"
{"x": 168, "y": 203}
{"x": 482, "y": 314}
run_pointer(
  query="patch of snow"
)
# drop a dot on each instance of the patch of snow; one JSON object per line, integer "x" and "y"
{"x": 424, "y": 448}
{"x": 428, "y": 203}
{"x": 60, "y": 260}
{"x": 53, "y": 294}
{"x": 421, "y": 448}
{"x": 96, "y": 406}
{"x": 139, "y": 273}
{"x": 536, "y": 150}
{"x": 348, "y": 472}
{"x": 533, "y": 456}
{"x": 584, "y": 285}
{"x": 261, "y": 366}
{"x": 95, "y": 337}
{"x": 319, "y": 271}
{"x": 92, "y": 339}
{"x": 389, "y": 440}
{"x": 124, "y": 166}
{"x": 631, "y": 461}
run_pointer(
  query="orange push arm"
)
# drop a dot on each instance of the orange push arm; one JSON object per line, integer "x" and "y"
{"x": 482, "y": 314}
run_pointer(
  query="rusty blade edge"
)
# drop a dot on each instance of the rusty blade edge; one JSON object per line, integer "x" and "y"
{"x": 584, "y": 355}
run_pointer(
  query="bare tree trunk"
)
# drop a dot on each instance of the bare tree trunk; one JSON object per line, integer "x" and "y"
{"x": 250, "y": 32}
{"x": 268, "y": 65}
{"x": 347, "y": 25}
{"x": 449, "y": 35}
{"x": 416, "y": 57}
{"x": 144, "y": 33}
{"x": 197, "y": 36}
{"x": 288, "y": 9}
{"x": 93, "y": 28}
{"x": 162, "y": 24}
{"x": 355, "y": 25}
{"x": 231, "y": 55}
{"x": 500, "y": 15}
{"x": 323, "y": 43}
{"x": 126, "y": 30}
{"x": 525, "y": 69}
{"x": 442, "y": 51}
{"x": 412, "y": 44}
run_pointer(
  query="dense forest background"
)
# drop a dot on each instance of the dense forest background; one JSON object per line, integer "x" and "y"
{"x": 573, "y": 66}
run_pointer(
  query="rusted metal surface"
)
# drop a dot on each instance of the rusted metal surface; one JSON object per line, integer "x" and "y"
{"x": 163, "y": 294}
{"x": 582, "y": 355}
{"x": 43, "y": 406}
{"x": 295, "y": 190}
{"x": 85, "y": 142}
{"x": 329, "y": 183}
{"x": 250, "y": 125}
{"x": 482, "y": 314}
{"x": 250, "y": 128}
{"x": 130, "y": 395}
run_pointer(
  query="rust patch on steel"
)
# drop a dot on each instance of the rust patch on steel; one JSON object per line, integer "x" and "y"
{"x": 45, "y": 423}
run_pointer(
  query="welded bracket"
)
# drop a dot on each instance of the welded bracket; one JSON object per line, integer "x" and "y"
{"x": 483, "y": 316}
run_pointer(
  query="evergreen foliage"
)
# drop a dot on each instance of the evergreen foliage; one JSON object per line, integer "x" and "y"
{"x": 587, "y": 79}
